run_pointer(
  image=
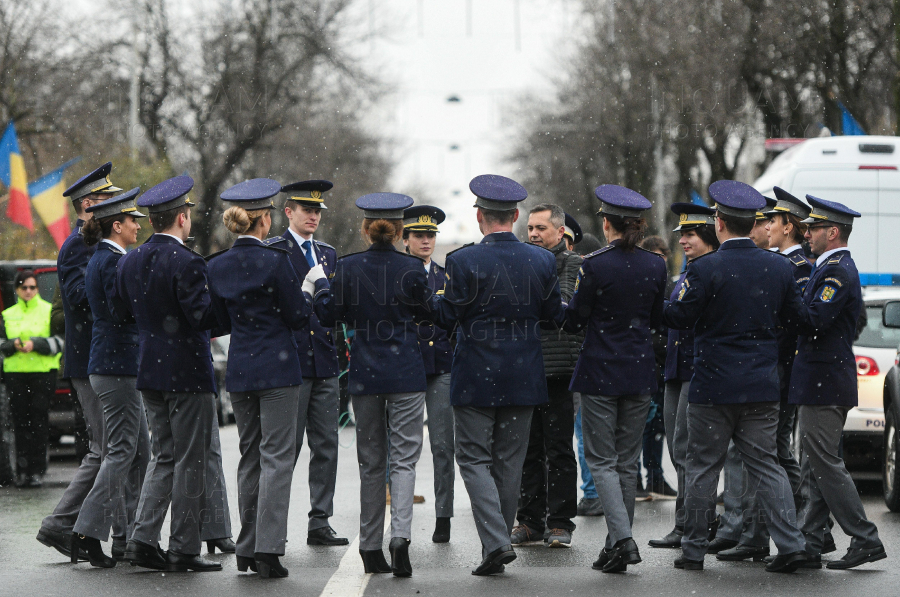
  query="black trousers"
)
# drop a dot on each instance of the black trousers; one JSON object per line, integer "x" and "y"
{"x": 550, "y": 475}
{"x": 29, "y": 403}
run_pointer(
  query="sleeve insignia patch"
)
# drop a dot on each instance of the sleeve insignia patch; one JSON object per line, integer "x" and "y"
{"x": 827, "y": 294}
{"x": 835, "y": 281}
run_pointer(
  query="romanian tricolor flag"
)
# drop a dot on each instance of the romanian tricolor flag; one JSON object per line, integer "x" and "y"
{"x": 47, "y": 196}
{"x": 12, "y": 174}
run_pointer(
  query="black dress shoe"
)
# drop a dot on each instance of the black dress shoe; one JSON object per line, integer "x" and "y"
{"x": 325, "y": 536}
{"x": 683, "y": 563}
{"x": 180, "y": 562}
{"x": 61, "y": 542}
{"x": 400, "y": 564}
{"x": 603, "y": 559}
{"x": 495, "y": 561}
{"x": 374, "y": 562}
{"x": 225, "y": 545}
{"x": 441, "y": 530}
{"x": 243, "y": 563}
{"x": 672, "y": 540}
{"x": 718, "y": 544}
{"x": 145, "y": 556}
{"x": 268, "y": 566}
{"x": 857, "y": 557}
{"x": 94, "y": 551}
{"x": 788, "y": 562}
{"x": 813, "y": 562}
{"x": 118, "y": 548}
{"x": 741, "y": 552}
{"x": 624, "y": 553}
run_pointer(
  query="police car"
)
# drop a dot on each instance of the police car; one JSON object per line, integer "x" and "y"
{"x": 891, "y": 404}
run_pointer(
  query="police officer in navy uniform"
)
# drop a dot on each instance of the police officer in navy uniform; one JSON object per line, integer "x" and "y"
{"x": 380, "y": 294}
{"x": 824, "y": 386}
{"x": 785, "y": 233}
{"x": 164, "y": 284}
{"x": 696, "y": 225}
{"x": 572, "y": 233}
{"x": 56, "y": 529}
{"x": 420, "y": 229}
{"x": 618, "y": 299}
{"x": 258, "y": 298}
{"x": 498, "y": 292}
{"x": 736, "y": 299}
{"x": 318, "y": 412}
{"x": 113, "y": 373}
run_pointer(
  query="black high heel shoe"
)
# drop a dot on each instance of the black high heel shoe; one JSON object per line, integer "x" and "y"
{"x": 225, "y": 545}
{"x": 243, "y": 563}
{"x": 268, "y": 566}
{"x": 400, "y": 564}
{"x": 374, "y": 562}
{"x": 92, "y": 548}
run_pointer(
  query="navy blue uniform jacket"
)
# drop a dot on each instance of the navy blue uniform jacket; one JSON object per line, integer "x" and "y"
{"x": 787, "y": 340}
{"x": 433, "y": 340}
{"x": 680, "y": 346}
{"x": 379, "y": 293}
{"x": 114, "y": 346}
{"x": 164, "y": 285}
{"x": 824, "y": 370}
{"x": 498, "y": 292}
{"x": 70, "y": 267}
{"x": 315, "y": 342}
{"x": 735, "y": 299}
{"x": 619, "y": 298}
{"x": 257, "y": 297}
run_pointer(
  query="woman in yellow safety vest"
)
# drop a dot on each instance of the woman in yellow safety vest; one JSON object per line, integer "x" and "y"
{"x": 30, "y": 363}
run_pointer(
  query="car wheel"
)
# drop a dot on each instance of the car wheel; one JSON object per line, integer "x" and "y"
{"x": 890, "y": 470}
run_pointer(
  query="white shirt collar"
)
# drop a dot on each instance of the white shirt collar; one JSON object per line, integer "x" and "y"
{"x": 773, "y": 249}
{"x": 792, "y": 248}
{"x": 300, "y": 240}
{"x": 828, "y": 254}
{"x": 115, "y": 244}
{"x": 180, "y": 242}
{"x": 737, "y": 238}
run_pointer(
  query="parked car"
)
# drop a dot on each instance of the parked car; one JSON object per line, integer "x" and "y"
{"x": 65, "y": 415}
{"x": 219, "y": 348}
{"x": 891, "y": 401}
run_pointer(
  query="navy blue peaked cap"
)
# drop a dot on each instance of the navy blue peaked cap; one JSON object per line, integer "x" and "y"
{"x": 830, "y": 211}
{"x": 168, "y": 194}
{"x": 787, "y": 203}
{"x": 423, "y": 218}
{"x": 255, "y": 193}
{"x": 621, "y": 201}
{"x": 308, "y": 192}
{"x": 387, "y": 206}
{"x": 691, "y": 216}
{"x": 95, "y": 182}
{"x": 497, "y": 193}
{"x": 122, "y": 203}
{"x": 573, "y": 230}
{"x": 736, "y": 199}
{"x": 765, "y": 213}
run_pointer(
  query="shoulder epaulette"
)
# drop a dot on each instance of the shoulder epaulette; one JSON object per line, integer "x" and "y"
{"x": 326, "y": 245}
{"x": 837, "y": 258}
{"x": 274, "y": 241}
{"x": 209, "y": 258}
{"x": 648, "y": 251}
{"x": 459, "y": 249}
{"x": 798, "y": 260}
{"x": 600, "y": 251}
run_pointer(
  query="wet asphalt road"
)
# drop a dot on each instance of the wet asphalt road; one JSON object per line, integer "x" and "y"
{"x": 28, "y": 568}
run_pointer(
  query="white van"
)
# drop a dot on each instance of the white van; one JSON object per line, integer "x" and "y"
{"x": 862, "y": 173}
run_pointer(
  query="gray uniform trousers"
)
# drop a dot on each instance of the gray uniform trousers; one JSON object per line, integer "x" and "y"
{"x": 66, "y": 512}
{"x": 732, "y": 521}
{"x": 405, "y": 413}
{"x": 828, "y": 483}
{"x": 267, "y": 426}
{"x": 440, "y": 435}
{"x": 317, "y": 416}
{"x": 752, "y": 428}
{"x": 675, "y": 403}
{"x": 613, "y": 428}
{"x": 490, "y": 450}
{"x": 216, "y": 523}
{"x": 181, "y": 424}
{"x": 114, "y": 496}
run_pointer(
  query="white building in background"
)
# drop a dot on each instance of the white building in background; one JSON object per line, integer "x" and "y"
{"x": 458, "y": 69}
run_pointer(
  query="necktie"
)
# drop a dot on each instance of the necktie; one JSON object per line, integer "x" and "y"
{"x": 307, "y": 249}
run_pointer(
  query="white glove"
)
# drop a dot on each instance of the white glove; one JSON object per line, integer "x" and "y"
{"x": 309, "y": 287}
{"x": 316, "y": 273}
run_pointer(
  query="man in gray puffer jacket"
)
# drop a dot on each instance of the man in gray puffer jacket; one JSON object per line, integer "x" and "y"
{"x": 547, "y": 503}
